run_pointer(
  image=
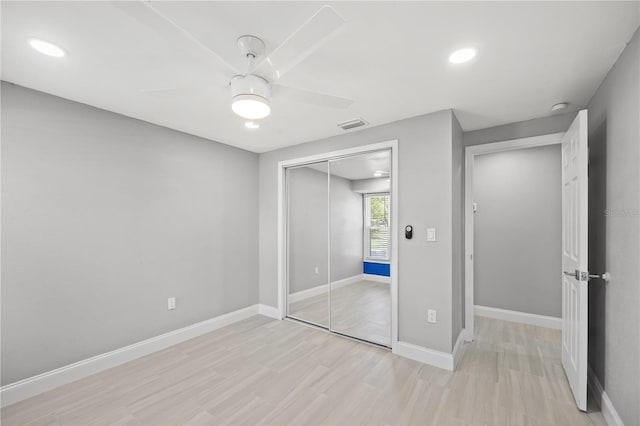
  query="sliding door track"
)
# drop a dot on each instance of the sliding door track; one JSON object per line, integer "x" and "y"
{"x": 336, "y": 333}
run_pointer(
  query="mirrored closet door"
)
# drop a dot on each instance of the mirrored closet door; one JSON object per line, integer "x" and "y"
{"x": 338, "y": 245}
{"x": 308, "y": 243}
{"x": 359, "y": 257}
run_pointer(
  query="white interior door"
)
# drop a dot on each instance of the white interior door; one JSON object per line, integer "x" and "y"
{"x": 575, "y": 257}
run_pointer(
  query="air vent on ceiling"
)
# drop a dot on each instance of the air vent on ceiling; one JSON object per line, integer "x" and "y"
{"x": 352, "y": 123}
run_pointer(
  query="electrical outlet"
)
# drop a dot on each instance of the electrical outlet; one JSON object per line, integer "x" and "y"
{"x": 171, "y": 303}
{"x": 431, "y": 316}
{"x": 431, "y": 234}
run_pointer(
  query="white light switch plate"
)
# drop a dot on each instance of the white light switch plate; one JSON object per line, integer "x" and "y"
{"x": 171, "y": 303}
{"x": 431, "y": 234}
{"x": 431, "y": 316}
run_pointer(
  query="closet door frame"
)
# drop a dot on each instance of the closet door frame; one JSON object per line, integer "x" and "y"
{"x": 282, "y": 237}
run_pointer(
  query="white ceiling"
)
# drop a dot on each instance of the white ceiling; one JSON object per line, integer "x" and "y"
{"x": 390, "y": 57}
{"x": 359, "y": 166}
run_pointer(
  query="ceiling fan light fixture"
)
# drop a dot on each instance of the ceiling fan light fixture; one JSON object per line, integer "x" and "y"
{"x": 250, "y": 97}
{"x": 251, "y": 107}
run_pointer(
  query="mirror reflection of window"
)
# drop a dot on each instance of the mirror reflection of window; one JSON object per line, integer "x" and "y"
{"x": 377, "y": 226}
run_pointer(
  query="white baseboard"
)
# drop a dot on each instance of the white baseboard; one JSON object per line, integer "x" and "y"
{"x": 521, "y": 317}
{"x": 35, "y": 385}
{"x": 467, "y": 335}
{"x": 269, "y": 311}
{"x": 438, "y": 359}
{"x": 376, "y": 278}
{"x": 458, "y": 348}
{"x": 444, "y": 360}
{"x": 323, "y": 288}
{"x": 602, "y": 399}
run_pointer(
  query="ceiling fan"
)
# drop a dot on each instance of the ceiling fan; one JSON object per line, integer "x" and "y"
{"x": 252, "y": 89}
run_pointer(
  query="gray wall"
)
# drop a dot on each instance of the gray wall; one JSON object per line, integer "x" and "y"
{"x": 347, "y": 219}
{"x": 457, "y": 220}
{"x": 518, "y": 230}
{"x": 425, "y": 200}
{"x": 369, "y": 186}
{"x": 105, "y": 217}
{"x": 521, "y": 129}
{"x": 308, "y": 229}
{"x": 614, "y": 233}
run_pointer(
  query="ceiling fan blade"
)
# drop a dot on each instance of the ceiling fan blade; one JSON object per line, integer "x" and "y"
{"x": 145, "y": 13}
{"x": 173, "y": 91}
{"x": 313, "y": 98}
{"x": 303, "y": 42}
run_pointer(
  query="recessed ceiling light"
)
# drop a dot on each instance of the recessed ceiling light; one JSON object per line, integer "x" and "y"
{"x": 251, "y": 125}
{"x": 46, "y": 48}
{"x": 380, "y": 173}
{"x": 462, "y": 55}
{"x": 377, "y": 174}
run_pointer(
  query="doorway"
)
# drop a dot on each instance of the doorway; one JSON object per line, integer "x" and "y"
{"x": 338, "y": 251}
{"x": 501, "y": 295}
{"x": 571, "y": 275}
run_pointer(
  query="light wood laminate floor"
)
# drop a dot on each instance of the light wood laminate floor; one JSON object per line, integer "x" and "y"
{"x": 361, "y": 309}
{"x": 263, "y": 371}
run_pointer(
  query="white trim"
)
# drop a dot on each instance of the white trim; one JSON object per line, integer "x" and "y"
{"x": 310, "y": 292}
{"x": 323, "y": 288}
{"x": 458, "y": 348}
{"x": 426, "y": 356}
{"x": 513, "y": 144}
{"x": 316, "y": 158}
{"x": 470, "y": 153}
{"x": 447, "y": 361}
{"x": 281, "y": 225}
{"x": 376, "y": 278}
{"x": 521, "y": 317}
{"x": 269, "y": 311}
{"x": 282, "y": 246}
{"x": 35, "y": 385}
{"x": 394, "y": 237}
{"x": 602, "y": 399}
{"x": 467, "y": 336}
